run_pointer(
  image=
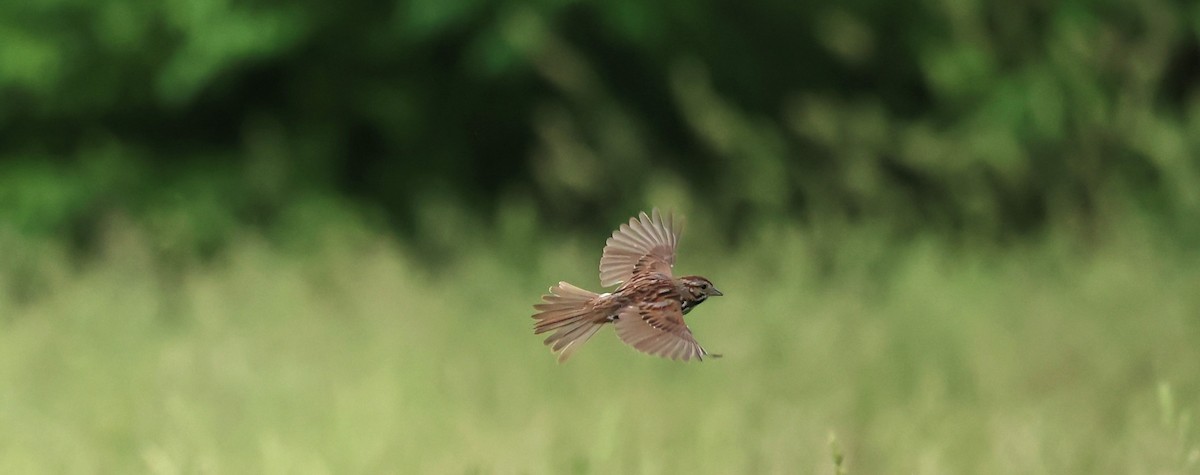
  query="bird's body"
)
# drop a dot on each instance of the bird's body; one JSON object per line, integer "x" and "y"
{"x": 647, "y": 307}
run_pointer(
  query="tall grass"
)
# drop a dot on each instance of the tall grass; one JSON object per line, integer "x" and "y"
{"x": 347, "y": 356}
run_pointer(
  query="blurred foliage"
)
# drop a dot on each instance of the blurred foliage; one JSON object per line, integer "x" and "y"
{"x": 978, "y": 119}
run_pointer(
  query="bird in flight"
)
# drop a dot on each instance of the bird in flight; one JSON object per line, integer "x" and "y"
{"x": 648, "y": 306}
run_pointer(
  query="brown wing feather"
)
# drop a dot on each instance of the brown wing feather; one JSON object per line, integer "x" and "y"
{"x": 646, "y": 244}
{"x": 657, "y": 328}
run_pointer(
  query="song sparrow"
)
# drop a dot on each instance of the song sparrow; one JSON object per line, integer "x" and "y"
{"x": 648, "y": 307}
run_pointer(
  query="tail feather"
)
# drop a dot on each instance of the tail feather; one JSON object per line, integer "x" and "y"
{"x": 570, "y": 313}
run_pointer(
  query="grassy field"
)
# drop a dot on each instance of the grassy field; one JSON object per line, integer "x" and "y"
{"x": 345, "y": 355}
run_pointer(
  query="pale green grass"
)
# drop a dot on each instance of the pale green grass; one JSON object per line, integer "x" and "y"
{"x": 348, "y": 357}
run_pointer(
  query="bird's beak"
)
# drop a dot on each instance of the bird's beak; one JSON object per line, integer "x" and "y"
{"x": 714, "y": 292}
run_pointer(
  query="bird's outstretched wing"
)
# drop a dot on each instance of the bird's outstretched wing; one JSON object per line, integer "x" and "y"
{"x": 646, "y": 244}
{"x": 657, "y": 328}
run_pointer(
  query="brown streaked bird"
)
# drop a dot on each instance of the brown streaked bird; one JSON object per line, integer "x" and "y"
{"x": 647, "y": 308}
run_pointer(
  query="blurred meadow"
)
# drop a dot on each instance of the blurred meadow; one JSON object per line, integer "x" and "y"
{"x": 249, "y": 237}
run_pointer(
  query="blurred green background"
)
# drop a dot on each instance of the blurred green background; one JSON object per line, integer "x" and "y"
{"x": 305, "y": 237}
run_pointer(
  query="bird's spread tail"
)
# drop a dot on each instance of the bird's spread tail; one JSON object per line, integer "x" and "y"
{"x": 570, "y": 313}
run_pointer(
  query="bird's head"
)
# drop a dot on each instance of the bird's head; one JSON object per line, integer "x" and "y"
{"x": 697, "y": 289}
